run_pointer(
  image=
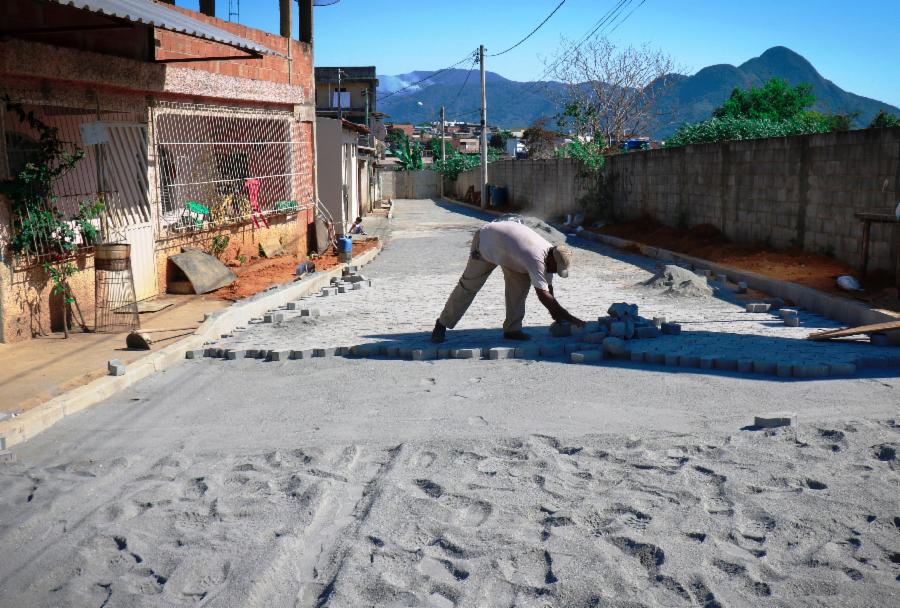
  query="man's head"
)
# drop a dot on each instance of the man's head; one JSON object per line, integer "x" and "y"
{"x": 560, "y": 259}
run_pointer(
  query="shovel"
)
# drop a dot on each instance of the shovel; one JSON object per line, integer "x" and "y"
{"x": 143, "y": 341}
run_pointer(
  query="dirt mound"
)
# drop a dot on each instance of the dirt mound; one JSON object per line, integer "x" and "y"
{"x": 678, "y": 281}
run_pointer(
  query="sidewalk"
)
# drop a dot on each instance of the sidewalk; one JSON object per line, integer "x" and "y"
{"x": 35, "y": 371}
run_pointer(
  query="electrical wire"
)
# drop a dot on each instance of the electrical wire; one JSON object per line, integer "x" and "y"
{"x": 532, "y": 32}
{"x": 465, "y": 82}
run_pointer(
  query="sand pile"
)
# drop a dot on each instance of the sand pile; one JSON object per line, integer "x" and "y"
{"x": 678, "y": 281}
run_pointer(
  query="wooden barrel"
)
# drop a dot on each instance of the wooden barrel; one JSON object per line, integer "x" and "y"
{"x": 112, "y": 256}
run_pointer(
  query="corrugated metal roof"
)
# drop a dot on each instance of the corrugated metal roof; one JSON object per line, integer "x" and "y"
{"x": 158, "y": 15}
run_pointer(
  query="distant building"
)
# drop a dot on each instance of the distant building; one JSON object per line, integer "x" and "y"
{"x": 343, "y": 170}
{"x": 349, "y": 93}
{"x": 406, "y": 128}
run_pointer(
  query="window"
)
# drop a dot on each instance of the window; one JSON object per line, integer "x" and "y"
{"x": 340, "y": 98}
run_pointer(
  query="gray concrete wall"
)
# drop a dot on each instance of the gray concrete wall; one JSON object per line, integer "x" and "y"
{"x": 788, "y": 191}
{"x": 409, "y": 184}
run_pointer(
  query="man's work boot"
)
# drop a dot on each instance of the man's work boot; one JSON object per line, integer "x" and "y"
{"x": 439, "y": 333}
{"x": 516, "y": 335}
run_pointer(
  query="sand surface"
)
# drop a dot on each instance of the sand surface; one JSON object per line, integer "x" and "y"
{"x": 458, "y": 483}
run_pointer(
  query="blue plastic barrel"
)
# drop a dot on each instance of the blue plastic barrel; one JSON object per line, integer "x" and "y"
{"x": 346, "y": 244}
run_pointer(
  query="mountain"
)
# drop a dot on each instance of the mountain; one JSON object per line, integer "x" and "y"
{"x": 689, "y": 99}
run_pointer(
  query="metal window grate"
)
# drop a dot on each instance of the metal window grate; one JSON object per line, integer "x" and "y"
{"x": 223, "y": 165}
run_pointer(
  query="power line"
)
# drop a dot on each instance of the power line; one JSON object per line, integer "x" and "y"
{"x": 468, "y": 74}
{"x": 532, "y": 32}
{"x": 624, "y": 19}
{"x": 429, "y": 77}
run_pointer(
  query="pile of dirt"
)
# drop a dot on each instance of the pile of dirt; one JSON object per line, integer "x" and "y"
{"x": 678, "y": 281}
{"x": 795, "y": 265}
{"x": 259, "y": 274}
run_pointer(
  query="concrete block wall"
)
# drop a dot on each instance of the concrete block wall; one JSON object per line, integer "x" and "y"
{"x": 784, "y": 192}
{"x": 801, "y": 191}
{"x": 408, "y": 184}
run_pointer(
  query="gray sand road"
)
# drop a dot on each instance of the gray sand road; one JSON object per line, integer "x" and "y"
{"x": 341, "y": 482}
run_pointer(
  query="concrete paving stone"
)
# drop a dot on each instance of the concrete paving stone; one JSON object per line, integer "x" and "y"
{"x": 342, "y": 289}
{"x": 671, "y": 329}
{"x": 310, "y": 312}
{"x": 816, "y": 370}
{"x": 303, "y": 353}
{"x": 745, "y": 366}
{"x": 707, "y": 362}
{"x": 7, "y": 457}
{"x": 389, "y": 350}
{"x": 879, "y": 340}
{"x": 655, "y": 357}
{"x": 443, "y": 353}
{"x": 115, "y": 367}
{"x": 551, "y": 350}
{"x": 784, "y": 313}
{"x": 643, "y": 333}
{"x": 726, "y": 364}
{"x": 792, "y": 321}
{"x": 363, "y": 350}
{"x": 342, "y": 351}
{"x": 596, "y": 337}
{"x": 466, "y": 353}
{"x": 722, "y": 278}
{"x": 268, "y": 318}
{"x": 658, "y": 321}
{"x": 357, "y": 286}
{"x": 741, "y": 287}
{"x": 622, "y": 309}
{"x": 689, "y": 360}
{"x": 501, "y": 352}
{"x": 324, "y": 352}
{"x": 560, "y": 330}
{"x": 841, "y": 369}
{"x": 637, "y": 356}
{"x": 764, "y": 367}
{"x": 528, "y": 352}
{"x": 617, "y": 329}
{"x": 424, "y": 354}
{"x": 278, "y": 355}
{"x": 614, "y": 347}
{"x": 629, "y": 328}
{"x": 278, "y": 317}
{"x": 671, "y": 360}
{"x": 574, "y": 347}
{"x": 262, "y": 353}
{"x": 605, "y": 322}
{"x": 586, "y": 356}
{"x": 293, "y": 305}
{"x": 232, "y": 354}
{"x": 774, "y": 420}
{"x": 784, "y": 370}
{"x": 193, "y": 354}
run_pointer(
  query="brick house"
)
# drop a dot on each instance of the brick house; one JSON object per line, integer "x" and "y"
{"x": 189, "y": 113}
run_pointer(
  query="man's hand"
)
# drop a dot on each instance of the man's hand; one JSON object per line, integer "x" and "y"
{"x": 557, "y": 312}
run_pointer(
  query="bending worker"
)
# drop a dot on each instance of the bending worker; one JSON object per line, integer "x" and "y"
{"x": 527, "y": 259}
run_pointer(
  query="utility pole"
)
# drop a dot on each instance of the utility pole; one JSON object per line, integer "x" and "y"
{"x": 443, "y": 152}
{"x": 340, "y": 108}
{"x": 484, "y": 174}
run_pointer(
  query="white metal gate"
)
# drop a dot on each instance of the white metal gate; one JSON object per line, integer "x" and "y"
{"x": 127, "y": 204}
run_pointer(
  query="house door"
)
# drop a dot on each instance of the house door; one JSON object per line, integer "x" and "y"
{"x": 127, "y": 202}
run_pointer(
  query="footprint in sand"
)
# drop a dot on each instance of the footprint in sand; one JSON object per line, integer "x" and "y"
{"x": 464, "y": 511}
{"x": 713, "y": 497}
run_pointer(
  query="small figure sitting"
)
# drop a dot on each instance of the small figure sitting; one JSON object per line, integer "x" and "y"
{"x": 357, "y": 228}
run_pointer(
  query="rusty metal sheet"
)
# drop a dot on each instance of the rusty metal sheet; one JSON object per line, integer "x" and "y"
{"x": 204, "y": 272}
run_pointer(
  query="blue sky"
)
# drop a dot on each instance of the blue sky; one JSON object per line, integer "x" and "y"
{"x": 856, "y": 45}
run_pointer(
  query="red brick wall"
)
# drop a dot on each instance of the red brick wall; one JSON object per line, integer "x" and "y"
{"x": 297, "y": 71}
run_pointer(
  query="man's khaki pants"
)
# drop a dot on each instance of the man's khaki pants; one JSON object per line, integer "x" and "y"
{"x": 476, "y": 273}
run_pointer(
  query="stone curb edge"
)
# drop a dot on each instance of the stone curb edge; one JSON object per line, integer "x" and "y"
{"x": 23, "y": 427}
{"x": 833, "y": 307}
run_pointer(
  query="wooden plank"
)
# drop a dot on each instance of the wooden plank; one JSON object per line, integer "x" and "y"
{"x": 853, "y": 331}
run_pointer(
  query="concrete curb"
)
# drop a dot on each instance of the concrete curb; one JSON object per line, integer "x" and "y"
{"x": 840, "y": 309}
{"x": 14, "y": 431}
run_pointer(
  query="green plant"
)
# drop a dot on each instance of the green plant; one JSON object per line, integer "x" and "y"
{"x": 588, "y": 152}
{"x": 88, "y": 211}
{"x": 59, "y": 274}
{"x": 396, "y": 138}
{"x": 775, "y": 100}
{"x": 218, "y": 245}
{"x": 242, "y": 259}
{"x": 883, "y": 120}
{"x": 38, "y": 224}
{"x": 410, "y": 157}
{"x": 729, "y": 129}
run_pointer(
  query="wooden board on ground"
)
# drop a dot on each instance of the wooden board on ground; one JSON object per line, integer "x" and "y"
{"x": 271, "y": 247}
{"x": 853, "y": 331}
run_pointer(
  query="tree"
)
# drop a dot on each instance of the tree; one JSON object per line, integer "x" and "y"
{"x": 396, "y": 138}
{"x": 883, "y": 120}
{"x": 610, "y": 91}
{"x": 539, "y": 140}
{"x": 499, "y": 139}
{"x": 775, "y": 100}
